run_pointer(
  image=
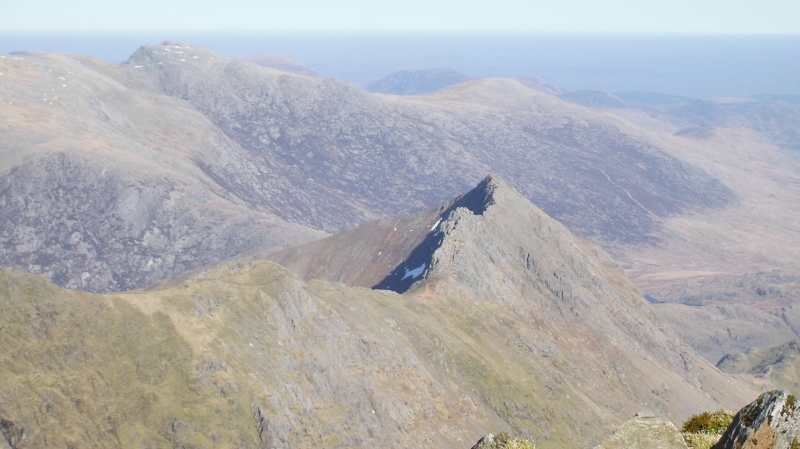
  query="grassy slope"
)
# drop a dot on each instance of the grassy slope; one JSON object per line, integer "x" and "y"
{"x": 246, "y": 354}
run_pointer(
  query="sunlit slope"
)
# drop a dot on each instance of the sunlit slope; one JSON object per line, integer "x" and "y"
{"x": 336, "y": 156}
{"x": 514, "y": 325}
{"x": 103, "y": 187}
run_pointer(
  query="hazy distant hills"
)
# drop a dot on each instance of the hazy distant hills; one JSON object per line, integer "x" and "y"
{"x": 538, "y": 84}
{"x": 776, "y": 116}
{"x": 422, "y": 82}
{"x": 319, "y": 153}
{"x": 593, "y": 98}
{"x": 514, "y": 324}
{"x": 419, "y": 82}
{"x": 279, "y": 62}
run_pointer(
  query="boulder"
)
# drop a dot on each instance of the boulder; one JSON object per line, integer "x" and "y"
{"x": 769, "y": 422}
{"x": 645, "y": 431}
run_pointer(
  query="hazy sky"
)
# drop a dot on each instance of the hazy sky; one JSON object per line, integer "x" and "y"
{"x": 514, "y": 16}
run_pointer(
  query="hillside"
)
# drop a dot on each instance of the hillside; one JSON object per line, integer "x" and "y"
{"x": 418, "y": 82}
{"x": 371, "y": 156}
{"x": 279, "y": 62}
{"x": 522, "y": 328}
{"x": 102, "y": 187}
{"x": 722, "y": 314}
{"x": 229, "y": 157}
{"x": 778, "y": 365}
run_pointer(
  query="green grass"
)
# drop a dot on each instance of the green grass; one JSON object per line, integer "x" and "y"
{"x": 702, "y": 431}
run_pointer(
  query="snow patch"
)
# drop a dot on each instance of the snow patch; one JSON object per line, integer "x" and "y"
{"x": 415, "y": 272}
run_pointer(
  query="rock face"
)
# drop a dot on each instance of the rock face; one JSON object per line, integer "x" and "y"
{"x": 579, "y": 318}
{"x": 769, "y": 422}
{"x": 645, "y": 431}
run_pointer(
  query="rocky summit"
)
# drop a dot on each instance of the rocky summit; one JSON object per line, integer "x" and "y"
{"x": 570, "y": 303}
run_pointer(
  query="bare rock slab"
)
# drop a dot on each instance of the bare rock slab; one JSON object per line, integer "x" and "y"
{"x": 769, "y": 422}
{"x": 645, "y": 431}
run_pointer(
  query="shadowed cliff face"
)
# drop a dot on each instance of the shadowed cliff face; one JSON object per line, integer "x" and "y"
{"x": 516, "y": 325}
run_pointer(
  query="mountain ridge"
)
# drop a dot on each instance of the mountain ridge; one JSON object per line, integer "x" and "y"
{"x": 558, "y": 351}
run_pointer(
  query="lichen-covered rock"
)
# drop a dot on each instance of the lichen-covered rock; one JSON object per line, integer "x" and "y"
{"x": 645, "y": 431}
{"x": 769, "y": 422}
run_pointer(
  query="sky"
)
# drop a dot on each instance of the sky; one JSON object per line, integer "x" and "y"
{"x": 474, "y": 16}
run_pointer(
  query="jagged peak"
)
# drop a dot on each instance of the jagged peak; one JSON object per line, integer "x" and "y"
{"x": 489, "y": 192}
{"x": 482, "y": 196}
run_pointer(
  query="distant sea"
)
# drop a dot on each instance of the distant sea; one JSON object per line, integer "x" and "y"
{"x": 694, "y": 66}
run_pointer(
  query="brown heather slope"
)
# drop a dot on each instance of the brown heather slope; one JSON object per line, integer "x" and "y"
{"x": 517, "y": 325}
{"x": 101, "y": 187}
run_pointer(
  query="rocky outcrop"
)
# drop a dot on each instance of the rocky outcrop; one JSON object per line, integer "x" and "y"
{"x": 645, "y": 431}
{"x": 492, "y": 246}
{"x": 769, "y": 422}
{"x": 14, "y": 436}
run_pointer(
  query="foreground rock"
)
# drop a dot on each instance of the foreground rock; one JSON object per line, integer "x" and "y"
{"x": 769, "y": 422}
{"x": 645, "y": 431}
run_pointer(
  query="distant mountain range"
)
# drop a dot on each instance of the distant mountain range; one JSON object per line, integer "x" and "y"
{"x": 279, "y": 62}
